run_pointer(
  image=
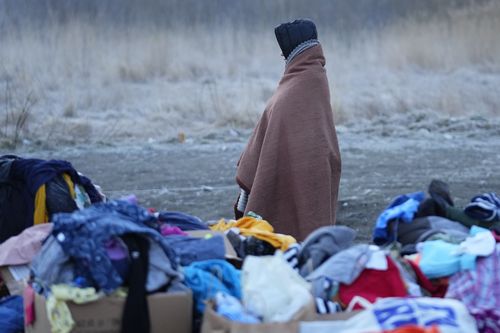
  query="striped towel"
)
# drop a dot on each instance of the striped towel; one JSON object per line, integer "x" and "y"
{"x": 484, "y": 207}
{"x": 326, "y": 306}
{"x": 291, "y": 255}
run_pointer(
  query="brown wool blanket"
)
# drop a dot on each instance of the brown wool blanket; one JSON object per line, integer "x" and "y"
{"x": 291, "y": 165}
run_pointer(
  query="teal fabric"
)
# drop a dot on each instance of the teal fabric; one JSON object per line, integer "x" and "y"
{"x": 206, "y": 278}
{"x": 440, "y": 259}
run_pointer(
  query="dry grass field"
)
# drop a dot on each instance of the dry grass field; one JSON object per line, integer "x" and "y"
{"x": 82, "y": 79}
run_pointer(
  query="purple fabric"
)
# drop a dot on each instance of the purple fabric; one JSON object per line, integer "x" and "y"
{"x": 116, "y": 249}
{"x": 167, "y": 230}
{"x": 479, "y": 290}
{"x": 132, "y": 199}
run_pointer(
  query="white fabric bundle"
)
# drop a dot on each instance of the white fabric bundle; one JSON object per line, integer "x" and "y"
{"x": 272, "y": 289}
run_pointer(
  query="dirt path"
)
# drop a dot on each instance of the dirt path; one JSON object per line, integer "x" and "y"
{"x": 198, "y": 177}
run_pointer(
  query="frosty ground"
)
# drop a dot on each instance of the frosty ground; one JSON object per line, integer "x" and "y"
{"x": 379, "y": 162}
{"x": 413, "y": 100}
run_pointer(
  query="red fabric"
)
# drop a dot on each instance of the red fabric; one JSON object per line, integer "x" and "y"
{"x": 436, "y": 289}
{"x": 372, "y": 284}
{"x": 496, "y": 236}
{"x": 29, "y": 306}
{"x": 414, "y": 329}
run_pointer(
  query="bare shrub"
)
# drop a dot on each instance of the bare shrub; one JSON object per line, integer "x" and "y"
{"x": 16, "y": 112}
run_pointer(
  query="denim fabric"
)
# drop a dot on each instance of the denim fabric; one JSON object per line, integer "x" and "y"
{"x": 191, "y": 249}
{"x": 83, "y": 235}
{"x": 51, "y": 265}
{"x": 11, "y": 314}
{"x": 182, "y": 220}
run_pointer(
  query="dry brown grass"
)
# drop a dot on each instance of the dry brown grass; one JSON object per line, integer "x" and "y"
{"x": 141, "y": 77}
{"x": 464, "y": 38}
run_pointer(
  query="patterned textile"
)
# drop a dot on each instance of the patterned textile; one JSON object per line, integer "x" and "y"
{"x": 479, "y": 290}
{"x": 484, "y": 207}
{"x": 291, "y": 255}
{"x": 83, "y": 235}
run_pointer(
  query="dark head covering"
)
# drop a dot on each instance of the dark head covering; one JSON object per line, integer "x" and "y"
{"x": 292, "y": 34}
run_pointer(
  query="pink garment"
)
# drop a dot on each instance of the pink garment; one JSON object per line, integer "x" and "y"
{"x": 478, "y": 290}
{"x": 167, "y": 230}
{"x": 20, "y": 249}
{"x": 29, "y": 306}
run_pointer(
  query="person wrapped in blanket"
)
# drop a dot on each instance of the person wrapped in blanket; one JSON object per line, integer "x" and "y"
{"x": 289, "y": 172}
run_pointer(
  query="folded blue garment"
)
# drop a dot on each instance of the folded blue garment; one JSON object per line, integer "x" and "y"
{"x": 182, "y": 220}
{"x": 11, "y": 314}
{"x": 206, "y": 278}
{"x": 402, "y": 208}
{"x": 191, "y": 249}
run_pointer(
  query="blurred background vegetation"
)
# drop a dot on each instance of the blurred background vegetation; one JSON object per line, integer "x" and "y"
{"x": 343, "y": 17}
{"x": 97, "y": 71}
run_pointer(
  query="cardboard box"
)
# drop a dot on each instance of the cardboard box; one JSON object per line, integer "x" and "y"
{"x": 169, "y": 312}
{"x": 214, "y": 323}
{"x": 337, "y": 315}
{"x": 15, "y": 278}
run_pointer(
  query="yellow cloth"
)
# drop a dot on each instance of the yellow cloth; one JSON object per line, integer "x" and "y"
{"x": 260, "y": 229}
{"x": 40, "y": 214}
{"x": 71, "y": 186}
{"x": 58, "y": 312}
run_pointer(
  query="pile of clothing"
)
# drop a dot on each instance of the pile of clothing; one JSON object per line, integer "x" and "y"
{"x": 432, "y": 267}
{"x": 33, "y": 190}
{"x": 454, "y": 250}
